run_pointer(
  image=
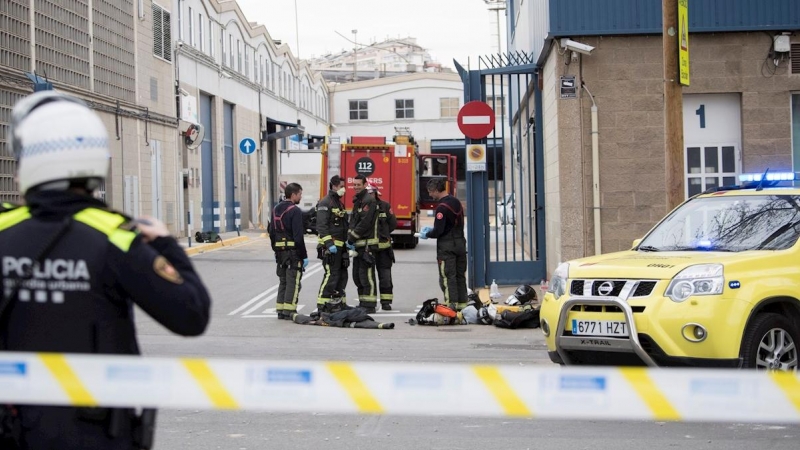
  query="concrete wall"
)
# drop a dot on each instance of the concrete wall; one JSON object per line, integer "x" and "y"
{"x": 625, "y": 76}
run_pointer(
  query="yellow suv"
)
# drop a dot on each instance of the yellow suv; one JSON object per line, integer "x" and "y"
{"x": 716, "y": 283}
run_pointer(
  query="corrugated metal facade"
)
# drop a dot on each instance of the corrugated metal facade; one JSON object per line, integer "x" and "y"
{"x": 595, "y": 17}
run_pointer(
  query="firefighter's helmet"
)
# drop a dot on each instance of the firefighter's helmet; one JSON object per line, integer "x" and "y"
{"x": 524, "y": 294}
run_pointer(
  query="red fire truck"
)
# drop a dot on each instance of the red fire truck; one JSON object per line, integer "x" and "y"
{"x": 397, "y": 169}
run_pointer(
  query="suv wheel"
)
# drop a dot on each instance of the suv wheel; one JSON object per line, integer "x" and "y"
{"x": 770, "y": 343}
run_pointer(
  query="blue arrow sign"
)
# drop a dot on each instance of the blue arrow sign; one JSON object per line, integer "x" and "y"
{"x": 247, "y": 146}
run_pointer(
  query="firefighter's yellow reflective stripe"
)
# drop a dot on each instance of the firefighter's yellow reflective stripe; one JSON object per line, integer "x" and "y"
{"x": 503, "y": 392}
{"x": 298, "y": 276}
{"x": 387, "y": 297}
{"x": 649, "y": 392}
{"x": 325, "y": 279}
{"x": 336, "y": 242}
{"x": 72, "y": 385}
{"x": 210, "y": 384}
{"x": 384, "y": 245}
{"x": 443, "y": 279}
{"x": 284, "y": 244}
{"x": 358, "y": 391}
{"x": 790, "y": 385}
{"x": 109, "y": 224}
{"x": 373, "y": 293}
{"x": 10, "y": 218}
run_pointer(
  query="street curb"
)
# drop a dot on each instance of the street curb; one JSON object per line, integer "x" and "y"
{"x": 216, "y": 245}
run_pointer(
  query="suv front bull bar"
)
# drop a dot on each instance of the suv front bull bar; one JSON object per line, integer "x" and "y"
{"x": 609, "y": 344}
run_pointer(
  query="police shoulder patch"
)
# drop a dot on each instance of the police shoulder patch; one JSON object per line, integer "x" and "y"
{"x": 439, "y": 216}
{"x": 166, "y": 270}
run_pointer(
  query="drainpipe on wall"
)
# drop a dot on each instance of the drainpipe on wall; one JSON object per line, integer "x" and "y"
{"x": 595, "y": 175}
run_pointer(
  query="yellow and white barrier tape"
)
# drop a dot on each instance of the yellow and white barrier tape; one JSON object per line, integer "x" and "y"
{"x": 404, "y": 389}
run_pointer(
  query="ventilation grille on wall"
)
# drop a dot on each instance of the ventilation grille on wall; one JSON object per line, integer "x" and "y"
{"x": 795, "y": 56}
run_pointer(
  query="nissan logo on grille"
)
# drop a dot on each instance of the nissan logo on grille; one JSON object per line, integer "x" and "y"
{"x": 606, "y": 288}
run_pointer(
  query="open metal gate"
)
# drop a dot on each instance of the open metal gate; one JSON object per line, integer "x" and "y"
{"x": 505, "y": 204}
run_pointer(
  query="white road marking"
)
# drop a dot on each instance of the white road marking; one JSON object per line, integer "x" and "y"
{"x": 271, "y": 293}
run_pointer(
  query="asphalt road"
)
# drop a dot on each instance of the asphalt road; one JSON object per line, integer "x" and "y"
{"x": 242, "y": 281}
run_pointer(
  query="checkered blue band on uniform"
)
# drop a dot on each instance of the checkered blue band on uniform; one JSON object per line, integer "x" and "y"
{"x": 63, "y": 144}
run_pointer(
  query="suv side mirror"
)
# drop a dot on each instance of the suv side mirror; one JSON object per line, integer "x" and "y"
{"x": 636, "y": 243}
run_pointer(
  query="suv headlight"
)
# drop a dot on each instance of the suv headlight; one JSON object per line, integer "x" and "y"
{"x": 558, "y": 285}
{"x": 702, "y": 279}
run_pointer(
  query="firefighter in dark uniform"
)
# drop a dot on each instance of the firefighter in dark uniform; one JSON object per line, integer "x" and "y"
{"x": 73, "y": 269}
{"x": 451, "y": 244}
{"x": 384, "y": 256}
{"x": 363, "y": 238}
{"x": 286, "y": 232}
{"x": 332, "y": 230}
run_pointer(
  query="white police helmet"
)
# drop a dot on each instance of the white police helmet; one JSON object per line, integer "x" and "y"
{"x": 56, "y": 137}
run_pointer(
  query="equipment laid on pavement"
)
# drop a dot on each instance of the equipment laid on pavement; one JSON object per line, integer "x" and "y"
{"x": 207, "y": 236}
{"x": 602, "y": 393}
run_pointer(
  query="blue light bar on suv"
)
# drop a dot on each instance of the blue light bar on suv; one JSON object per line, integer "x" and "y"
{"x": 771, "y": 176}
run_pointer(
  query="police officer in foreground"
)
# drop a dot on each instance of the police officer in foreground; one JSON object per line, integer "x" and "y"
{"x": 72, "y": 269}
{"x": 286, "y": 232}
{"x": 451, "y": 244}
{"x": 363, "y": 238}
{"x": 384, "y": 256}
{"x": 332, "y": 230}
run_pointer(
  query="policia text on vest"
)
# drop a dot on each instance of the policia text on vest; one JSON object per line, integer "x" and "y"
{"x": 286, "y": 232}
{"x": 74, "y": 291}
{"x": 71, "y": 271}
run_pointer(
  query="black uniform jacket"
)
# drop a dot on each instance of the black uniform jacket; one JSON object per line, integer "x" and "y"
{"x": 364, "y": 220}
{"x": 331, "y": 221}
{"x": 449, "y": 218}
{"x": 291, "y": 230}
{"x": 80, "y": 298}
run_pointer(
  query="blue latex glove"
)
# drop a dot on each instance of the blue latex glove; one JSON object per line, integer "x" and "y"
{"x": 350, "y": 246}
{"x": 423, "y": 234}
{"x": 426, "y": 230}
{"x": 305, "y": 262}
{"x": 333, "y": 249}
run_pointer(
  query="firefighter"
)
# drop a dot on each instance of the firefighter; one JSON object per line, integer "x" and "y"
{"x": 363, "y": 238}
{"x": 384, "y": 256}
{"x": 286, "y": 237}
{"x": 451, "y": 245}
{"x": 332, "y": 230}
{"x": 73, "y": 269}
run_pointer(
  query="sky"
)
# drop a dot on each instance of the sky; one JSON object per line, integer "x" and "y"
{"x": 449, "y": 29}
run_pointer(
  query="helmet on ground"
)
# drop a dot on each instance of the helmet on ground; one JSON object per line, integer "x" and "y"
{"x": 524, "y": 293}
{"x": 484, "y": 317}
{"x": 56, "y": 137}
{"x": 512, "y": 300}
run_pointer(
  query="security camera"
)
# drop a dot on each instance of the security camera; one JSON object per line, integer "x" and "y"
{"x": 224, "y": 74}
{"x": 179, "y": 44}
{"x": 183, "y": 92}
{"x": 569, "y": 44}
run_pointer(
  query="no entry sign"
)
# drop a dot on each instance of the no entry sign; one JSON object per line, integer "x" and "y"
{"x": 476, "y": 120}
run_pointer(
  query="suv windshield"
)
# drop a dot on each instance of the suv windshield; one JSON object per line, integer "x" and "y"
{"x": 729, "y": 223}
